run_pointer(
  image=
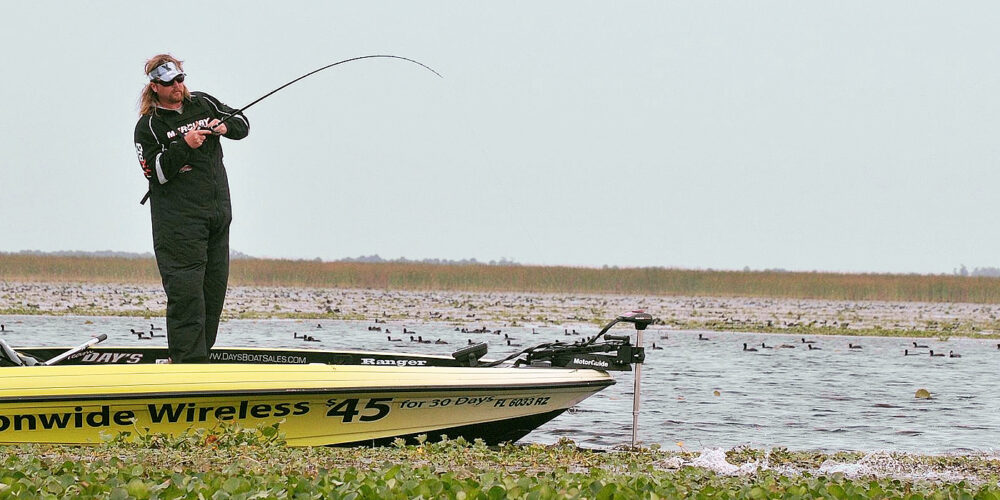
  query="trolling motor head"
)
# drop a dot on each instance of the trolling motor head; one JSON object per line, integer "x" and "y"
{"x": 638, "y": 317}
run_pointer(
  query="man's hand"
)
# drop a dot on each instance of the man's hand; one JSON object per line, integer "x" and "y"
{"x": 218, "y": 131}
{"x": 196, "y": 138}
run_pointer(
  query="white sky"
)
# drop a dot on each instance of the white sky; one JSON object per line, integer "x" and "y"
{"x": 837, "y": 136}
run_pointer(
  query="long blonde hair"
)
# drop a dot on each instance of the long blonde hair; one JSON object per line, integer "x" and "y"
{"x": 148, "y": 100}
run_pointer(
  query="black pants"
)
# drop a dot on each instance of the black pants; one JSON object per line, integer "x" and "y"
{"x": 193, "y": 258}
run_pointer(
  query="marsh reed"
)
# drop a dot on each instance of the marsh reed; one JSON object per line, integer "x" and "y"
{"x": 548, "y": 279}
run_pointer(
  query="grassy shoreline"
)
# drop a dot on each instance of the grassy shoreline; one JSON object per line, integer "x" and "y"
{"x": 543, "y": 279}
{"x": 513, "y": 296}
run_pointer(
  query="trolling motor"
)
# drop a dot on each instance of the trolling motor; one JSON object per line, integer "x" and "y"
{"x": 591, "y": 354}
{"x": 10, "y": 357}
{"x": 615, "y": 353}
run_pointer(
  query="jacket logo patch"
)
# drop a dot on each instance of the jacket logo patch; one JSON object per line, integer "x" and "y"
{"x": 148, "y": 172}
{"x": 183, "y": 129}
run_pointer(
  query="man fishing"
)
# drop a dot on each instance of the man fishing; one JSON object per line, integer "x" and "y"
{"x": 178, "y": 141}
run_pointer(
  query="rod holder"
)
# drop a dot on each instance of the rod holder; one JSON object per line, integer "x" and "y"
{"x": 82, "y": 347}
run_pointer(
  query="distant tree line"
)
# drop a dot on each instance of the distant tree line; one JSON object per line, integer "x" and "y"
{"x": 443, "y": 262}
{"x": 237, "y": 255}
{"x": 989, "y": 272}
{"x": 81, "y": 253}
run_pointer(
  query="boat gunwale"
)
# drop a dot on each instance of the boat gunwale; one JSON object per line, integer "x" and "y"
{"x": 293, "y": 391}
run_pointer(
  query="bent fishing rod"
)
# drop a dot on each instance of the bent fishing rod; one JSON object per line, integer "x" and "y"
{"x": 328, "y": 66}
{"x": 265, "y": 96}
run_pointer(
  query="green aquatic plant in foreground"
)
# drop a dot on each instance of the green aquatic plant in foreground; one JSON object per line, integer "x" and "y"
{"x": 240, "y": 463}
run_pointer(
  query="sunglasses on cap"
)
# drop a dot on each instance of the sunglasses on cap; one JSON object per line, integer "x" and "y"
{"x": 177, "y": 79}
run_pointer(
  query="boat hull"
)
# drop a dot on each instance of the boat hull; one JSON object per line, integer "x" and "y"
{"x": 315, "y": 404}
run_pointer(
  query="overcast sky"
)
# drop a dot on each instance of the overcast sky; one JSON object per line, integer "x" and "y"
{"x": 836, "y": 136}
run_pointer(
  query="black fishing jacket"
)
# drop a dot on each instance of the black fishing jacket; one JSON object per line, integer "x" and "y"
{"x": 186, "y": 182}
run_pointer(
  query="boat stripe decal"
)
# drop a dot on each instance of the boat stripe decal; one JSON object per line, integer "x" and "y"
{"x": 153, "y": 351}
{"x": 283, "y": 392}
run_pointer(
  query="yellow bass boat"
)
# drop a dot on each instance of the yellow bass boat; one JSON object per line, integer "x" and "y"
{"x": 319, "y": 397}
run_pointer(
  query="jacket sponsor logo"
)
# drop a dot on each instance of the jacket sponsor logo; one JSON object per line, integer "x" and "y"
{"x": 148, "y": 172}
{"x": 183, "y": 129}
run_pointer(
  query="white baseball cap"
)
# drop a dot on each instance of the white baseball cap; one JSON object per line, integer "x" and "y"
{"x": 165, "y": 72}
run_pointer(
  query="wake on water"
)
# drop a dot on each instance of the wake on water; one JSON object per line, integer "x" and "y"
{"x": 877, "y": 464}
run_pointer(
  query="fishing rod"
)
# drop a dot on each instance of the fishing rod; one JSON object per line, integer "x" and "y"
{"x": 265, "y": 96}
{"x": 328, "y": 66}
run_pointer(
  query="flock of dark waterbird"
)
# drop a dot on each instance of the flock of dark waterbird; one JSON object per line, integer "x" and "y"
{"x": 507, "y": 339}
{"x": 917, "y": 348}
{"x": 151, "y": 334}
{"x": 810, "y": 345}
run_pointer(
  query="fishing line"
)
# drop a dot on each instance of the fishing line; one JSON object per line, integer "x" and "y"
{"x": 328, "y": 66}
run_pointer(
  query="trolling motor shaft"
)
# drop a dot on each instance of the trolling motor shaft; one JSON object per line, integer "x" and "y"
{"x": 641, "y": 320}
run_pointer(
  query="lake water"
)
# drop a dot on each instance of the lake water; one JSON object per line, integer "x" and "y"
{"x": 831, "y": 399}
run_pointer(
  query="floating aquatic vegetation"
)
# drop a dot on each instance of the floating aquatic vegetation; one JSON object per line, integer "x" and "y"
{"x": 235, "y": 462}
{"x": 730, "y": 311}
